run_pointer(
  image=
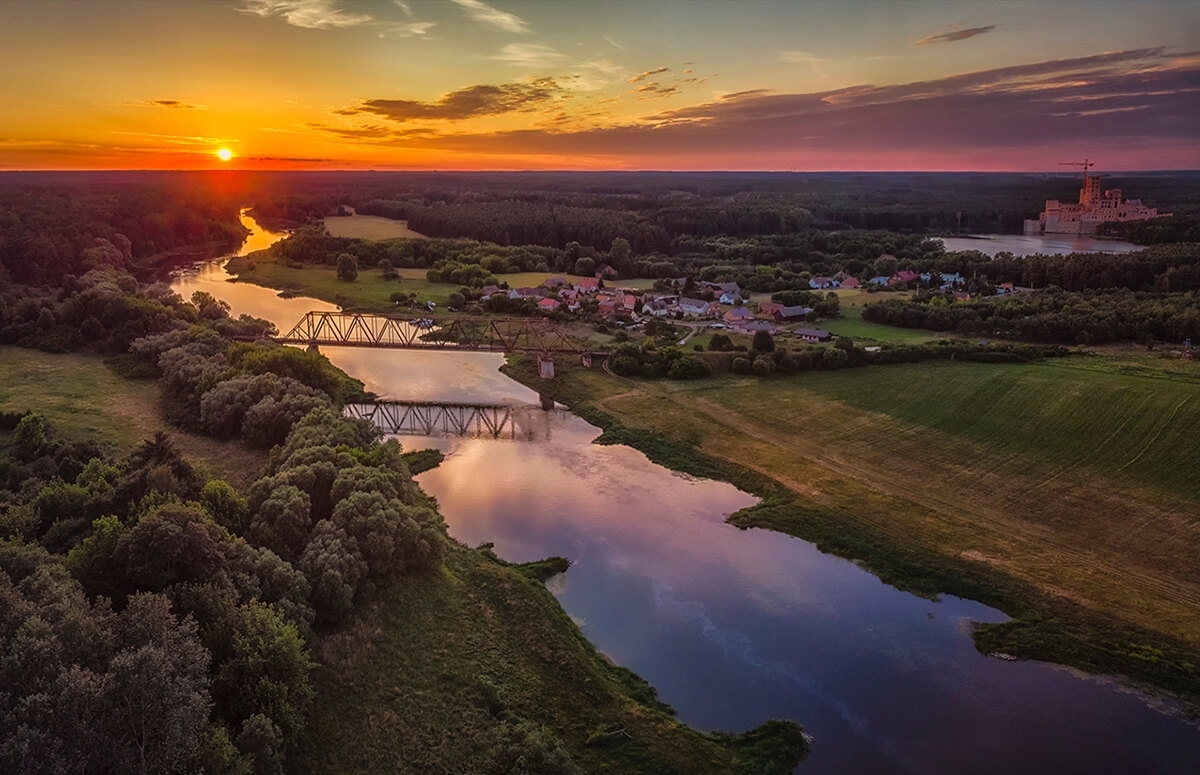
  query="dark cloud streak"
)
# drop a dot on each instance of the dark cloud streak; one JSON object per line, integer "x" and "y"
{"x": 951, "y": 37}
{"x": 471, "y": 102}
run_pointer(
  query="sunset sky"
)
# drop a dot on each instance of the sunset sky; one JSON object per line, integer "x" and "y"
{"x": 577, "y": 84}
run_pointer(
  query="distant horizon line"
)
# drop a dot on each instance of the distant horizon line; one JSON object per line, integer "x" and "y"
{"x": 593, "y": 171}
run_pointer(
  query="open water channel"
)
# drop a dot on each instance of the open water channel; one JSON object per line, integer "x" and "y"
{"x": 736, "y": 627}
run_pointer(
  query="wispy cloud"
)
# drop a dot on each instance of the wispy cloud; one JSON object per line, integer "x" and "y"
{"x": 289, "y": 159}
{"x": 612, "y": 42}
{"x": 800, "y": 57}
{"x": 486, "y": 14}
{"x": 170, "y": 104}
{"x": 403, "y": 6}
{"x": 956, "y": 35}
{"x": 191, "y": 140}
{"x": 471, "y": 102}
{"x": 647, "y": 74}
{"x": 529, "y": 55}
{"x": 1138, "y": 102}
{"x": 311, "y": 14}
{"x": 406, "y": 29}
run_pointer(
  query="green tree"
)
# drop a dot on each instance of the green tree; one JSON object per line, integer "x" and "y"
{"x": 763, "y": 366}
{"x": 585, "y": 267}
{"x": 347, "y": 267}
{"x": 267, "y": 672}
{"x": 763, "y": 342}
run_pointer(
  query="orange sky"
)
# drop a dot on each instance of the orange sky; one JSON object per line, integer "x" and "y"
{"x": 656, "y": 84}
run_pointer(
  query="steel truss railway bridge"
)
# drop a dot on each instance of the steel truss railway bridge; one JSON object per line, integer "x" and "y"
{"x": 507, "y": 335}
{"x": 517, "y": 422}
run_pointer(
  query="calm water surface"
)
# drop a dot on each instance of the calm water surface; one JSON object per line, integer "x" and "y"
{"x": 735, "y": 627}
{"x": 1027, "y": 245}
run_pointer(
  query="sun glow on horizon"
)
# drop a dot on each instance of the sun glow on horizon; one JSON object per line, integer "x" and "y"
{"x": 224, "y": 154}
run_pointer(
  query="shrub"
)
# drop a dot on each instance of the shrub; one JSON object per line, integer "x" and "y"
{"x": 763, "y": 365}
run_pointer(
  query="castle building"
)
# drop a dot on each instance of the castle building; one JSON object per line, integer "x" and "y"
{"x": 1093, "y": 209}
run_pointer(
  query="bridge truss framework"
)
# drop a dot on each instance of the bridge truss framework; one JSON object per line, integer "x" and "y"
{"x": 434, "y": 418}
{"x": 523, "y": 335}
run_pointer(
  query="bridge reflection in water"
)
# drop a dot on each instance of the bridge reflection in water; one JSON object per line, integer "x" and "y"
{"x": 515, "y": 422}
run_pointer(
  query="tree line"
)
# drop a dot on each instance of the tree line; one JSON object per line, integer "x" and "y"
{"x": 1052, "y": 315}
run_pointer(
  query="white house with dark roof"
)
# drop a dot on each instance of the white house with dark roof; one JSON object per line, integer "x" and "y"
{"x": 696, "y": 308}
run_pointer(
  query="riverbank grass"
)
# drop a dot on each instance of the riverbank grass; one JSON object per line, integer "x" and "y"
{"x": 478, "y": 663}
{"x": 83, "y": 398}
{"x": 1060, "y": 492}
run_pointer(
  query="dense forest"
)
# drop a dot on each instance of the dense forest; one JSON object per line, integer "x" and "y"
{"x": 54, "y": 224}
{"x": 155, "y": 621}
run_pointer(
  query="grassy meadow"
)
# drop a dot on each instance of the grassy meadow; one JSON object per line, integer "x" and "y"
{"x": 83, "y": 398}
{"x": 852, "y": 325}
{"x": 1061, "y": 491}
{"x": 369, "y": 227}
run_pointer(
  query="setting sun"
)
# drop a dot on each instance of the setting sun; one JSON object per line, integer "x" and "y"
{"x": 224, "y": 154}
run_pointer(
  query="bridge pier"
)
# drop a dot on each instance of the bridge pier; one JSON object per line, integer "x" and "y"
{"x": 312, "y": 347}
{"x": 547, "y": 402}
{"x": 545, "y": 367}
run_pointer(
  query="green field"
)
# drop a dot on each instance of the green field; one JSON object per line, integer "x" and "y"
{"x": 479, "y": 658}
{"x": 369, "y": 227}
{"x": 852, "y": 325}
{"x": 82, "y": 398}
{"x": 370, "y": 292}
{"x": 1062, "y": 491}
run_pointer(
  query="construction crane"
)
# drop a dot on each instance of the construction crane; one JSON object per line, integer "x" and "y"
{"x": 1085, "y": 164}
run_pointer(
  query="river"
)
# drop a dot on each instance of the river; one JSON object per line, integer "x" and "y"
{"x": 1029, "y": 244}
{"x": 735, "y": 627}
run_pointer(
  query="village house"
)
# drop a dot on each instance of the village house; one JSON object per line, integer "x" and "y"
{"x": 548, "y": 305}
{"x": 799, "y": 312}
{"x": 606, "y": 272}
{"x": 730, "y": 298}
{"x": 656, "y": 307}
{"x": 570, "y": 297}
{"x": 903, "y": 278}
{"x": 769, "y": 308}
{"x": 696, "y": 308}
{"x": 486, "y": 291}
{"x": 821, "y": 283}
{"x": 849, "y": 282}
{"x": 881, "y": 280}
{"x": 525, "y": 293}
{"x": 587, "y": 285}
{"x": 555, "y": 282}
{"x": 753, "y": 326}
{"x": 813, "y": 334}
{"x": 737, "y": 315}
{"x": 720, "y": 289}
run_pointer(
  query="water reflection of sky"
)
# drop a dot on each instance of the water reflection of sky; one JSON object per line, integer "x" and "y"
{"x": 1028, "y": 244}
{"x": 735, "y": 627}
